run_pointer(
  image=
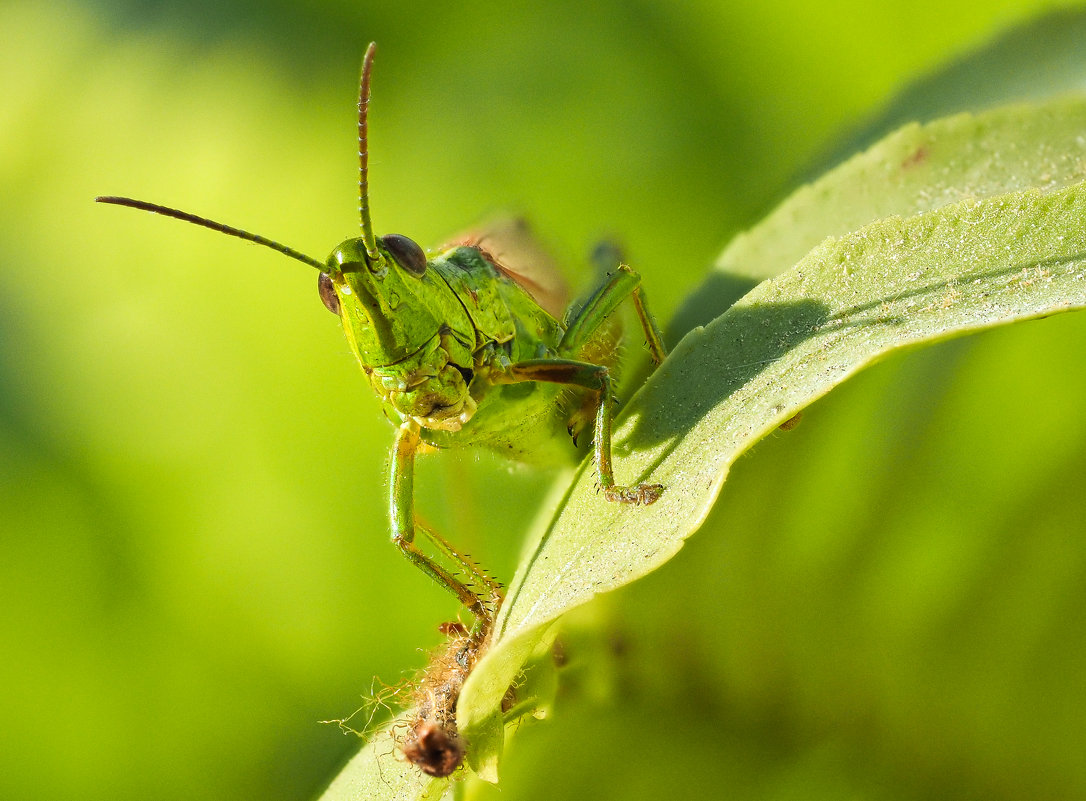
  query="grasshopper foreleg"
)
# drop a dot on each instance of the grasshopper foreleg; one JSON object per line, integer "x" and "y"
{"x": 594, "y": 377}
{"x": 404, "y": 523}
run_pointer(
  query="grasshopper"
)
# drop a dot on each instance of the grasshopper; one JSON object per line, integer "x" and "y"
{"x": 464, "y": 350}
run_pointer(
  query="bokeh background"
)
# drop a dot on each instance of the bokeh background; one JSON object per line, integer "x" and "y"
{"x": 887, "y": 602}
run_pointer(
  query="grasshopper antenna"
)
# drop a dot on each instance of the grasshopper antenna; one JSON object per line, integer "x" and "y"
{"x": 368, "y": 238}
{"x": 214, "y": 226}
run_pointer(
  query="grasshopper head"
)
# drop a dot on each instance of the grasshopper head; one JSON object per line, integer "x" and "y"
{"x": 385, "y": 301}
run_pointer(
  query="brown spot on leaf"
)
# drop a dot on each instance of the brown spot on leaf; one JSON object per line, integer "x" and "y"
{"x": 918, "y": 157}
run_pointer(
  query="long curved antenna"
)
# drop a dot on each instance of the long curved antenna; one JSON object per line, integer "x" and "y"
{"x": 368, "y": 238}
{"x": 214, "y": 226}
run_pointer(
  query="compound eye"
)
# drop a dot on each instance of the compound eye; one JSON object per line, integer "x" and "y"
{"x": 328, "y": 293}
{"x": 406, "y": 252}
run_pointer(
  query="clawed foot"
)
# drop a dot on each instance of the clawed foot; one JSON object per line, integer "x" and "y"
{"x": 639, "y": 495}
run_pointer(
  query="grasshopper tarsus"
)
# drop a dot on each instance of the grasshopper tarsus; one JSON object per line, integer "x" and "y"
{"x": 637, "y": 495}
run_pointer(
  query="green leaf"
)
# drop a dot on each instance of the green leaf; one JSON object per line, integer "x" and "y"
{"x": 893, "y": 284}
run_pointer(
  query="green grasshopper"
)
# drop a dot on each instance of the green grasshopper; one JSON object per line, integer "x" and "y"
{"x": 465, "y": 351}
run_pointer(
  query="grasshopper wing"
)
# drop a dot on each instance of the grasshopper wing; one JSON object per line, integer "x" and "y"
{"x": 508, "y": 244}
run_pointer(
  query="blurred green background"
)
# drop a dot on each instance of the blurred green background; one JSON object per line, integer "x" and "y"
{"x": 888, "y": 602}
